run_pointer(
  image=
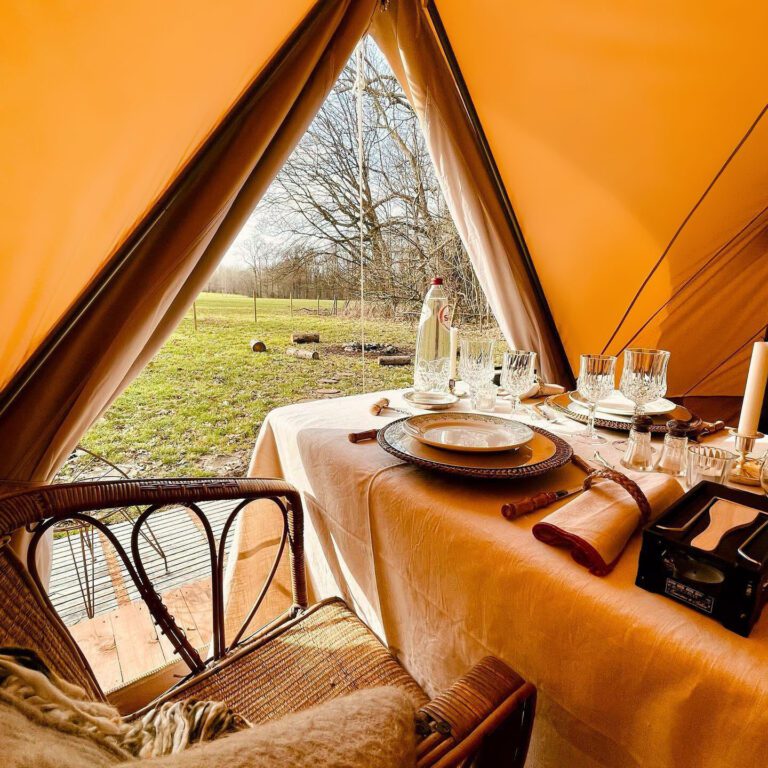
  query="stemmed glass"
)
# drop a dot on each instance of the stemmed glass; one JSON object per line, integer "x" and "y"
{"x": 476, "y": 364}
{"x": 518, "y": 375}
{"x": 643, "y": 380}
{"x": 597, "y": 378}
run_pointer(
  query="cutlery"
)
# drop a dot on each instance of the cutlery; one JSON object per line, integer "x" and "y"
{"x": 383, "y": 405}
{"x": 598, "y": 457}
{"x": 515, "y": 509}
{"x": 359, "y": 437}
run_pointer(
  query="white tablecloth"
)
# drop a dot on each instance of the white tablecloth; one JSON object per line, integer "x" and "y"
{"x": 625, "y": 677}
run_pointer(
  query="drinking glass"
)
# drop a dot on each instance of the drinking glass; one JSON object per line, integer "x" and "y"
{"x": 705, "y": 462}
{"x": 764, "y": 473}
{"x": 643, "y": 380}
{"x": 476, "y": 364}
{"x": 597, "y": 378}
{"x": 518, "y": 375}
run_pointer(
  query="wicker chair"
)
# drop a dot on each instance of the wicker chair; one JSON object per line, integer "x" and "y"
{"x": 306, "y": 656}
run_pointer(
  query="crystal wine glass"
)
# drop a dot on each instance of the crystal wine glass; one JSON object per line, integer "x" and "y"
{"x": 518, "y": 375}
{"x": 597, "y": 378}
{"x": 476, "y": 364}
{"x": 643, "y": 380}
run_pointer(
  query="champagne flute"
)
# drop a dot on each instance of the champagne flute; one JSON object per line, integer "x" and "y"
{"x": 476, "y": 364}
{"x": 597, "y": 378}
{"x": 518, "y": 375}
{"x": 643, "y": 380}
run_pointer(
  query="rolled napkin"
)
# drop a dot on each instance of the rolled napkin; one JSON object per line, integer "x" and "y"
{"x": 597, "y": 525}
{"x": 541, "y": 389}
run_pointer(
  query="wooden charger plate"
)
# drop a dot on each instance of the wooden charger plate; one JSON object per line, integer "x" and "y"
{"x": 542, "y": 454}
{"x": 564, "y": 404}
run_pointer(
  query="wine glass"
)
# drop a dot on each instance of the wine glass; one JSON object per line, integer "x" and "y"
{"x": 597, "y": 378}
{"x": 518, "y": 375}
{"x": 476, "y": 364}
{"x": 643, "y": 380}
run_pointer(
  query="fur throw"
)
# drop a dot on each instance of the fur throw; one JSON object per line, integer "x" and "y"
{"x": 27, "y": 684}
{"x": 46, "y": 722}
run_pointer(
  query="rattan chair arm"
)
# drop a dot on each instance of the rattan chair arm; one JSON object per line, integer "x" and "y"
{"x": 26, "y": 508}
{"x": 458, "y": 722}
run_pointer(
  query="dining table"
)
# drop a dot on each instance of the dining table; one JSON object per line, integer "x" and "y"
{"x": 624, "y": 677}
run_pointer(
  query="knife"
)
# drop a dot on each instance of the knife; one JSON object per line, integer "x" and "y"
{"x": 515, "y": 509}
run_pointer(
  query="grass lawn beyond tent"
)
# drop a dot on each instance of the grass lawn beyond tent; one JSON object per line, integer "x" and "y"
{"x": 197, "y": 407}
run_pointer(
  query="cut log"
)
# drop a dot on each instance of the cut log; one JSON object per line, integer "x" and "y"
{"x": 395, "y": 360}
{"x": 304, "y": 338}
{"x": 304, "y": 354}
{"x": 257, "y": 345}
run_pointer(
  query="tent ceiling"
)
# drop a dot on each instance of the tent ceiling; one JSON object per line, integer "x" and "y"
{"x": 103, "y": 103}
{"x": 607, "y": 122}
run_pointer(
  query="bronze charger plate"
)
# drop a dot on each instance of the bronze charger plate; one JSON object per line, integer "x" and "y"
{"x": 564, "y": 404}
{"x": 542, "y": 454}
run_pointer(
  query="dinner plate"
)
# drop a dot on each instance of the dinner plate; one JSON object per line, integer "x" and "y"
{"x": 468, "y": 432}
{"x": 544, "y": 453}
{"x": 619, "y": 405}
{"x": 565, "y": 405}
{"x": 430, "y": 401}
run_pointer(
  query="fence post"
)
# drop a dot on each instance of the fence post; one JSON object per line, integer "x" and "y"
{"x": 255, "y": 315}
{"x": 318, "y": 305}
{"x": 291, "y": 303}
{"x": 194, "y": 314}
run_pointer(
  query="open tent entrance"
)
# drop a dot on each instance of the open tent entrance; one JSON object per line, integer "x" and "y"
{"x": 297, "y": 267}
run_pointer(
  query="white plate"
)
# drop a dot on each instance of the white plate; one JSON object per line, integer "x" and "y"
{"x": 621, "y": 405}
{"x": 468, "y": 432}
{"x": 430, "y": 401}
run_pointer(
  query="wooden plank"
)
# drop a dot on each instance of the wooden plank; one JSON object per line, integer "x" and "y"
{"x": 115, "y": 570}
{"x": 197, "y": 596}
{"x": 176, "y": 603}
{"x": 138, "y": 647}
{"x": 97, "y": 641}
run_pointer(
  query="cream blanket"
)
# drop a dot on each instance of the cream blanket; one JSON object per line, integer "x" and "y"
{"x": 46, "y": 722}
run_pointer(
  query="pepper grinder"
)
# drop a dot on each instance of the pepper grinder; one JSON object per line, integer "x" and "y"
{"x": 639, "y": 453}
{"x": 746, "y": 470}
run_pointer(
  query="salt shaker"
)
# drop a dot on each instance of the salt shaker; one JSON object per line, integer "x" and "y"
{"x": 639, "y": 453}
{"x": 673, "y": 452}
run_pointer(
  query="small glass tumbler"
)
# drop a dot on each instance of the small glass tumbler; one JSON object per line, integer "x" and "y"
{"x": 674, "y": 451}
{"x": 484, "y": 397}
{"x": 706, "y": 462}
{"x": 639, "y": 453}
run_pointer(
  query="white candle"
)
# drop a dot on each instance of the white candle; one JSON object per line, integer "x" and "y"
{"x": 754, "y": 392}
{"x": 453, "y": 352}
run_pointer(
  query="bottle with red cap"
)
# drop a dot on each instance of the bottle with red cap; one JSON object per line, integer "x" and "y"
{"x": 433, "y": 342}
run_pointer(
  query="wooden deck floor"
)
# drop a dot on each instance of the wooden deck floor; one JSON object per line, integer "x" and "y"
{"x": 120, "y": 641}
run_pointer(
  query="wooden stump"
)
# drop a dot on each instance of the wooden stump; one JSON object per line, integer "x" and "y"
{"x": 395, "y": 360}
{"x": 304, "y": 354}
{"x": 257, "y": 345}
{"x": 305, "y": 338}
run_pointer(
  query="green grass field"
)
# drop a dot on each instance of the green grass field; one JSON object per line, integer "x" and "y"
{"x": 197, "y": 407}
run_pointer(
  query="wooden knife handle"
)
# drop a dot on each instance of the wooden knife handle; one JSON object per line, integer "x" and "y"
{"x": 379, "y": 406}
{"x": 359, "y": 437}
{"x": 525, "y": 506}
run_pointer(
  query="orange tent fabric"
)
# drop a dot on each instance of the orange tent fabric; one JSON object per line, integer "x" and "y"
{"x": 609, "y": 123}
{"x": 102, "y": 105}
{"x": 631, "y": 141}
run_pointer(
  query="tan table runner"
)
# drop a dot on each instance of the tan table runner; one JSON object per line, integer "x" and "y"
{"x": 626, "y": 678}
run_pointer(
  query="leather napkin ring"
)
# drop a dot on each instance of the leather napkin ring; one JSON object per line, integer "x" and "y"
{"x": 630, "y": 486}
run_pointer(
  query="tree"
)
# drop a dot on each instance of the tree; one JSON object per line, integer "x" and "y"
{"x": 313, "y": 206}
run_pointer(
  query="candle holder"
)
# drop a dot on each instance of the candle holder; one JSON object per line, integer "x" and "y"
{"x": 746, "y": 470}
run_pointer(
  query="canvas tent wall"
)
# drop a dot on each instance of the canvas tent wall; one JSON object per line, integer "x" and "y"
{"x": 629, "y": 142}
